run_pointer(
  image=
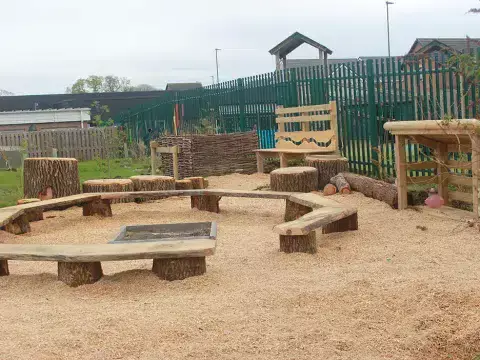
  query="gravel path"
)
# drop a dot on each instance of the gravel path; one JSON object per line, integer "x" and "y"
{"x": 387, "y": 291}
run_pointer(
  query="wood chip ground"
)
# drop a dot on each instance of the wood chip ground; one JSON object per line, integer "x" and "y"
{"x": 387, "y": 291}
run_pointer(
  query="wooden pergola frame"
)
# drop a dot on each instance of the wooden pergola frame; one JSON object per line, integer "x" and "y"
{"x": 443, "y": 136}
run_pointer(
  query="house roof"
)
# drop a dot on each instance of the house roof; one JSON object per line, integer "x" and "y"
{"x": 294, "y": 41}
{"x": 458, "y": 45}
{"x": 183, "y": 86}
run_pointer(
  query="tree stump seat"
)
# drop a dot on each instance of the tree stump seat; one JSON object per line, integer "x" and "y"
{"x": 152, "y": 183}
{"x": 327, "y": 166}
{"x": 109, "y": 185}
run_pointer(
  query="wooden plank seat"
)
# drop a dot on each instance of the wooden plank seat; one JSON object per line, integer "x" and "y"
{"x": 310, "y": 140}
{"x": 81, "y": 264}
{"x": 311, "y": 211}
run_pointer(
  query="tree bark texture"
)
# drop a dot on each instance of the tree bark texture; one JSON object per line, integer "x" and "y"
{"x": 98, "y": 207}
{"x": 20, "y": 225}
{"x": 209, "y": 203}
{"x": 4, "y": 268}
{"x": 376, "y": 189}
{"x": 293, "y": 211}
{"x": 349, "y": 223}
{"x": 179, "y": 269}
{"x": 294, "y": 179}
{"x": 299, "y": 243}
{"x": 79, "y": 273}
{"x": 197, "y": 183}
{"x": 109, "y": 185}
{"x": 58, "y": 174}
{"x": 152, "y": 183}
{"x": 328, "y": 166}
{"x": 342, "y": 185}
{"x": 183, "y": 185}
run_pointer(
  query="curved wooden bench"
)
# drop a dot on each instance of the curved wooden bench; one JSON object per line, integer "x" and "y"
{"x": 311, "y": 212}
{"x": 80, "y": 264}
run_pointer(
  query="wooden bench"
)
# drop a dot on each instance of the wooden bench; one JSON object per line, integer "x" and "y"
{"x": 290, "y": 144}
{"x": 81, "y": 264}
{"x": 313, "y": 212}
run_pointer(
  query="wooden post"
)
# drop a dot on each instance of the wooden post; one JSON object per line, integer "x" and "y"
{"x": 175, "y": 162}
{"x": 475, "y": 168}
{"x": 260, "y": 168}
{"x": 333, "y": 121}
{"x": 400, "y": 160}
{"x": 125, "y": 150}
{"x": 79, "y": 273}
{"x": 153, "y": 157}
{"x": 441, "y": 155}
{"x": 179, "y": 269}
{"x": 283, "y": 160}
{"x": 4, "y": 268}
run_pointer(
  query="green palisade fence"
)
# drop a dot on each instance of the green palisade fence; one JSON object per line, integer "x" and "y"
{"x": 368, "y": 94}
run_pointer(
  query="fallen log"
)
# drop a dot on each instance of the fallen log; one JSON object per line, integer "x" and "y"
{"x": 377, "y": 189}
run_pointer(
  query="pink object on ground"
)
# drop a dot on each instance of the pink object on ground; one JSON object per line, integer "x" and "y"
{"x": 434, "y": 201}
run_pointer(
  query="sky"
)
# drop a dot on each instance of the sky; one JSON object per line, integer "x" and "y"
{"x": 45, "y": 45}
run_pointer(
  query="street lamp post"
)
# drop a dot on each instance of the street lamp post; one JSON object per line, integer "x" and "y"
{"x": 388, "y": 25}
{"x": 216, "y": 60}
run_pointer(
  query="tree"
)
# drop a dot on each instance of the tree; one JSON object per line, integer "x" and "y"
{"x": 474, "y": 10}
{"x": 109, "y": 83}
{"x": 144, "y": 87}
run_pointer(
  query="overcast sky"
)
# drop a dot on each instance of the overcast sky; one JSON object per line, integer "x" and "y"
{"x": 45, "y": 45}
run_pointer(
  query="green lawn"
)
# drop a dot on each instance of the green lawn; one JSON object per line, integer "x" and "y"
{"x": 11, "y": 181}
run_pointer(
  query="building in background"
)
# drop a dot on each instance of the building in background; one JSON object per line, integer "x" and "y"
{"x": 183, "y": 86}
{"x": 33, "y": 120}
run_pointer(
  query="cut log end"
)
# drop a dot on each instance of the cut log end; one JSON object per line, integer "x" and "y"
{"x": 349, "y": 223}
{"x": 329, "y": 189}
{"x": 75, "y": 274}
{"x": 20, "y": 225}
{"x": 179, "y": 269}
{"x": 98, "y": 207}
{"x": 294, "y": 179}
{"x": 4, "y": 268}
{"x": 299, "y": 243}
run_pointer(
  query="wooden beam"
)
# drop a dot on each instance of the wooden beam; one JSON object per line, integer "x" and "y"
{"x": 460, "y": 196}
{"x": 475, "y": 172}
{"x": 441, "y": 156}
{"x": 422, "y": 180}
{"x": 302, "y": 109}
{"x": 454, "y": 164}
{"x": 459, "y": 180}
{"x": 424, "y": 141}
{"x": 108, "y": 252}
{"x": 302, "y": 119}
{"x": 422, "y": 165}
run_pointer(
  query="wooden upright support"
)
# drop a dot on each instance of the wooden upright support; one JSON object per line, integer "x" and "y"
{"x": 401, "y": 161}
{"x": 475, "y": 171}
{"x": 441, "y": 155}
{"x": 174, "y": 150}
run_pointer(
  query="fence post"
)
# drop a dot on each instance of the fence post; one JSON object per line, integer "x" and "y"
{"x": 241, "y": 104}
{"x": 372, "y": 117}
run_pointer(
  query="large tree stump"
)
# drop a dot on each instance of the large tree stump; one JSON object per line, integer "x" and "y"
{"x": 183, "y": 185}
{"x": 349, "y": 223}
{"x": 179, "y": 269}
{"x": 58, "y": 176}
{"x": 328, "y": 166}
{"x": 100, "y": 207}
{"x": 79, "y": 273}
{"x": 109, "y": 185}
{"x": 4, "y": 268}
{"x": 197, "y": 183}
{"x": 152, "y": 183}
{"x": 20, "y": 225}
{"x": 379, "y": 190}
{"x": 299, "y": 243}
{"x": 294, "y": 179}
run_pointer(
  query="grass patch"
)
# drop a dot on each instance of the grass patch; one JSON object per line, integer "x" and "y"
{"x": 11, "y": 188}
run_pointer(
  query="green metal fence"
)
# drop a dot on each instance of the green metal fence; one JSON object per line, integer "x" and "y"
{"x": 368, "y": 94}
